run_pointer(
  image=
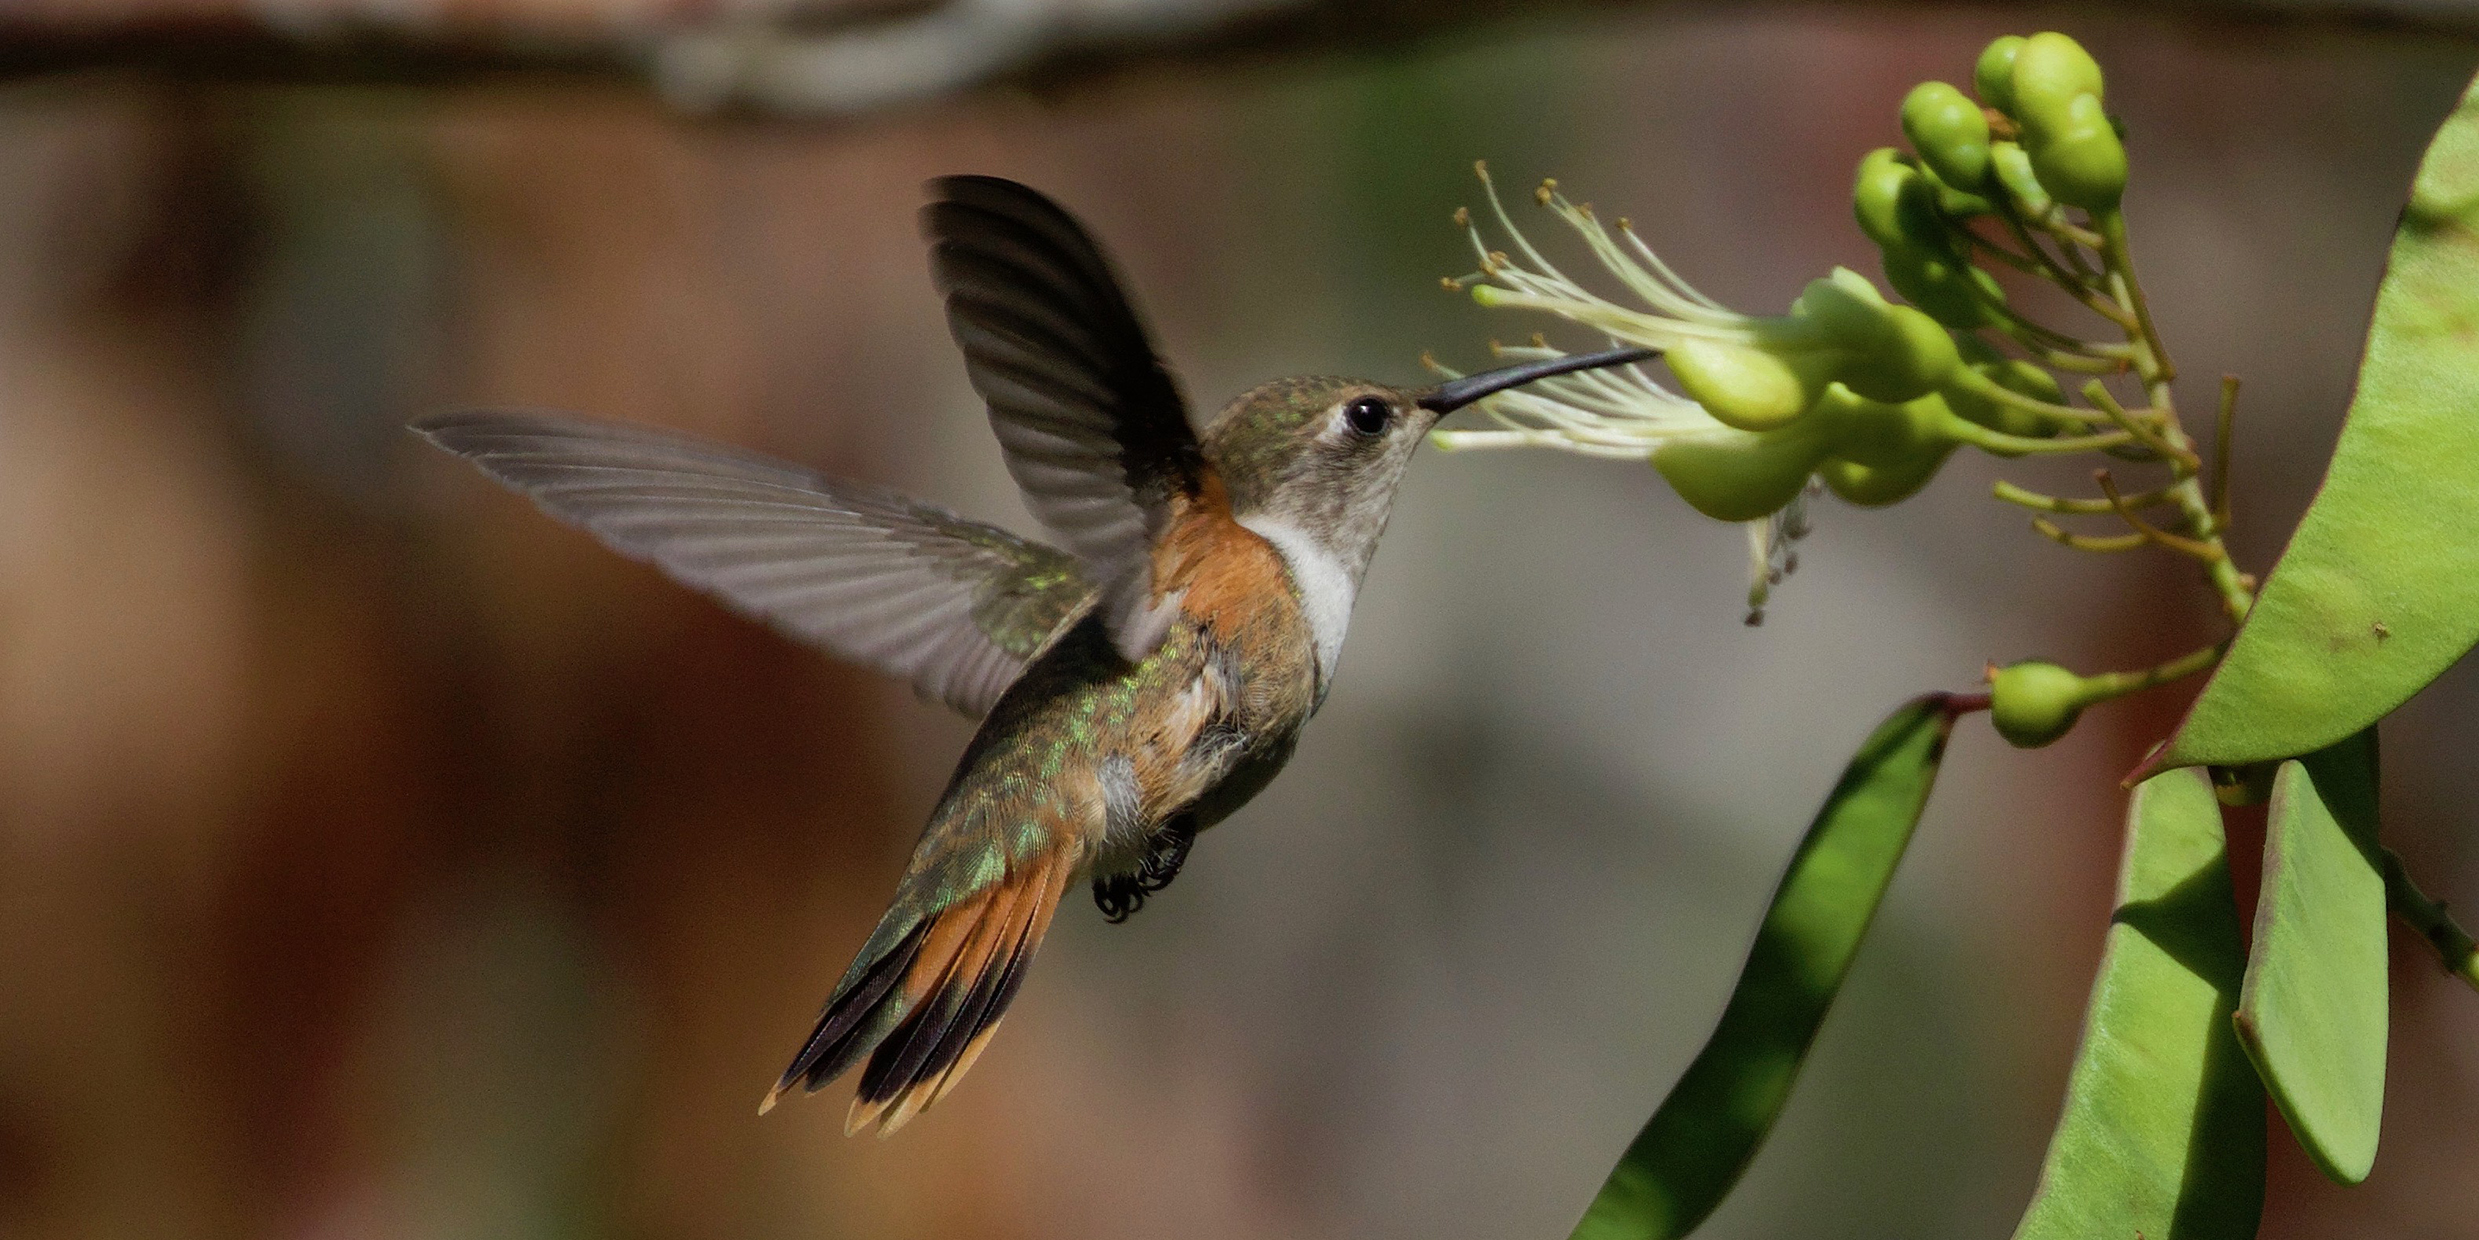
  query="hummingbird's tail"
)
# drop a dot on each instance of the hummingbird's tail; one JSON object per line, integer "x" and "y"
{"x": 923, "y": 1005}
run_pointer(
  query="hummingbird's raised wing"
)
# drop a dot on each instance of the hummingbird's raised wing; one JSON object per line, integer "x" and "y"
{"x": 1092, "y": 424}
{"x": 954, "y": 606}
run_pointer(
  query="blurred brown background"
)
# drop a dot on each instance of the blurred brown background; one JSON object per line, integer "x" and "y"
{"x": 379, "y": 859}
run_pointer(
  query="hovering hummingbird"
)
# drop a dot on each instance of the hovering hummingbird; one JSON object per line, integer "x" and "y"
{"x": 1134, "y": 686}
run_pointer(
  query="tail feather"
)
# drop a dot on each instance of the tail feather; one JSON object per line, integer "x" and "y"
{"x": 839, "y": 1040}
{"x": 921, "y": 1011}
{"x": 910, "y": 1069}
{"x": 970, "y": 1036}
{"x": 872, "y": 1003}
{"x": 901, "y": 1056}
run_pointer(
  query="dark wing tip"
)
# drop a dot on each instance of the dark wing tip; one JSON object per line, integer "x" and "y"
{"x": 962, "y": 209}
{"x": 1006, "y": 197}
{"x": 970, "y": 184}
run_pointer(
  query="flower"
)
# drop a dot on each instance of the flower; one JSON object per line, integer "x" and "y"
{"x": 1749, "y": 373}
{"x": 1618, "y": 413}
{"x": 1760, "y": 374}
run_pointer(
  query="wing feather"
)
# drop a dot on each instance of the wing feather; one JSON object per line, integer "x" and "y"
{"x": 1093, "y": 427}
{"x": 953, "y": 606}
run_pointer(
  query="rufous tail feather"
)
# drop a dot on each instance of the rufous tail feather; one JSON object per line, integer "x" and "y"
{"x": 930, "y": 1049}
{"x": 924, "y": 1008}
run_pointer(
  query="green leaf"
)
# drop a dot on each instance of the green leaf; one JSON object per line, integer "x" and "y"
{"x": 2378, "y": 592}
{"x": 1695, "y": 1147}
{"x": 2163, "y": 1130}
{"x": 2313, "y": 1013}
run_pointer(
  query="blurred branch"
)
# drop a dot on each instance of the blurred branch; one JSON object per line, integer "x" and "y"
{"x": 807, "y": 63}
{"x": 233, "y": 50}
{"x": 2453, "y": 944}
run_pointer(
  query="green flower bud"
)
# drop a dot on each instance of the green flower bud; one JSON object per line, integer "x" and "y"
{"x": 1876, "y": 486}
{"x": 1896, "y": 204}
{"x": 1993, "y": 76}
{"x": 1951, "y": 203}
{"x": 2050, "y": 71}
{"x": 1912, "y": 359}
{"x": 1889, "y": 352}
{"x": 1941, "y": 285}
{"x": 1843, "y": 309}
{"x": 2014, "y": 375}
{"x": 2081, "y": 162}
{"x": 1876, "y": 195}
{"x": 2034, "y": 703}
{"x": 1956, "y": 204}
{"x": 1949, "y": 132}
{"x": 1750, "y": 388}
{"x": 2013, "y": 169}
{"x": 1878, "y": 433}
{"x": 1735, "y": 475}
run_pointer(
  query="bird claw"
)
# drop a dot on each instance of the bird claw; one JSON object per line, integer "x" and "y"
{"x": 1120, "y": 895}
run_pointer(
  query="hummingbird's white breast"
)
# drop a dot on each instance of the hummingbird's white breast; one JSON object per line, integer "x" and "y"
{"x": 1327, "y": 586}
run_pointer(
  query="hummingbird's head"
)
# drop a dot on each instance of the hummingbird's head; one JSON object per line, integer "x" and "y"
{"x": 1316, "y": 460}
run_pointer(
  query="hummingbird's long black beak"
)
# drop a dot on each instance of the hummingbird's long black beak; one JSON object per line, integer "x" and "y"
{"x": 1454, "y": 394}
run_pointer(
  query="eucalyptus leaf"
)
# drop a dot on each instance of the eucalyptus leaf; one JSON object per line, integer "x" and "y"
{"x": 2378, "y": 592}
{"x": 1700, "y": 1141}
{"x": 2162, "y": 1135}
{"x": 2314, "y": 1010}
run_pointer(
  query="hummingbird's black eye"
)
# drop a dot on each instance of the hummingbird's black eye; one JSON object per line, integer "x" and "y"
{"x": 1368, "y": 415}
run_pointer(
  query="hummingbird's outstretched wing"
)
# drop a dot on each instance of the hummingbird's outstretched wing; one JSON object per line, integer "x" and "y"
{"x": 954, "y": 606}
{"x": 1092, "y": 424}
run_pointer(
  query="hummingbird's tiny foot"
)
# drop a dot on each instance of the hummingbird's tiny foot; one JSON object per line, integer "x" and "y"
{"x": 1119, "y": 896}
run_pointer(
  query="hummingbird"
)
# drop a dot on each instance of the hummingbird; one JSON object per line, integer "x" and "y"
{"x": 1135, "y": 683}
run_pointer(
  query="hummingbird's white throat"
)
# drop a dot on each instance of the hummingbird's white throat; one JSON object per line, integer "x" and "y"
{"x": 1327, "y": 585}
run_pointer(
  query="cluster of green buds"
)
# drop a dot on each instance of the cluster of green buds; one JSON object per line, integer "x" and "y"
{"x": 1867, "y": 397}
{"x": 2042, "y": 140}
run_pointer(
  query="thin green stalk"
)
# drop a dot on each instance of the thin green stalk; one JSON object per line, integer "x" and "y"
{"x": 2103, "y": 544}
{"x": 2054, "y": 222}
{"x": 2013, "y": 494}
{"x": 2167, "y": 446}
{"x": 1982, "y": 437}
{"x": 2031, "y": 334}
{"x": 2114, "y": 251}
{"x": 2072, "y": 242}
{"x": 2057, "y": 274}
{"x": 2103, "y": 359}
{"x": 2063, "y": 415}
{"x": 2237, "y": 589}
{"x": 2202, "y": 513}
{"x": 2452, "y": 943}
{"x": 2109, "y": 685}
{"x": 2209, "y": 552}
{"x": 1999, "y": 252}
